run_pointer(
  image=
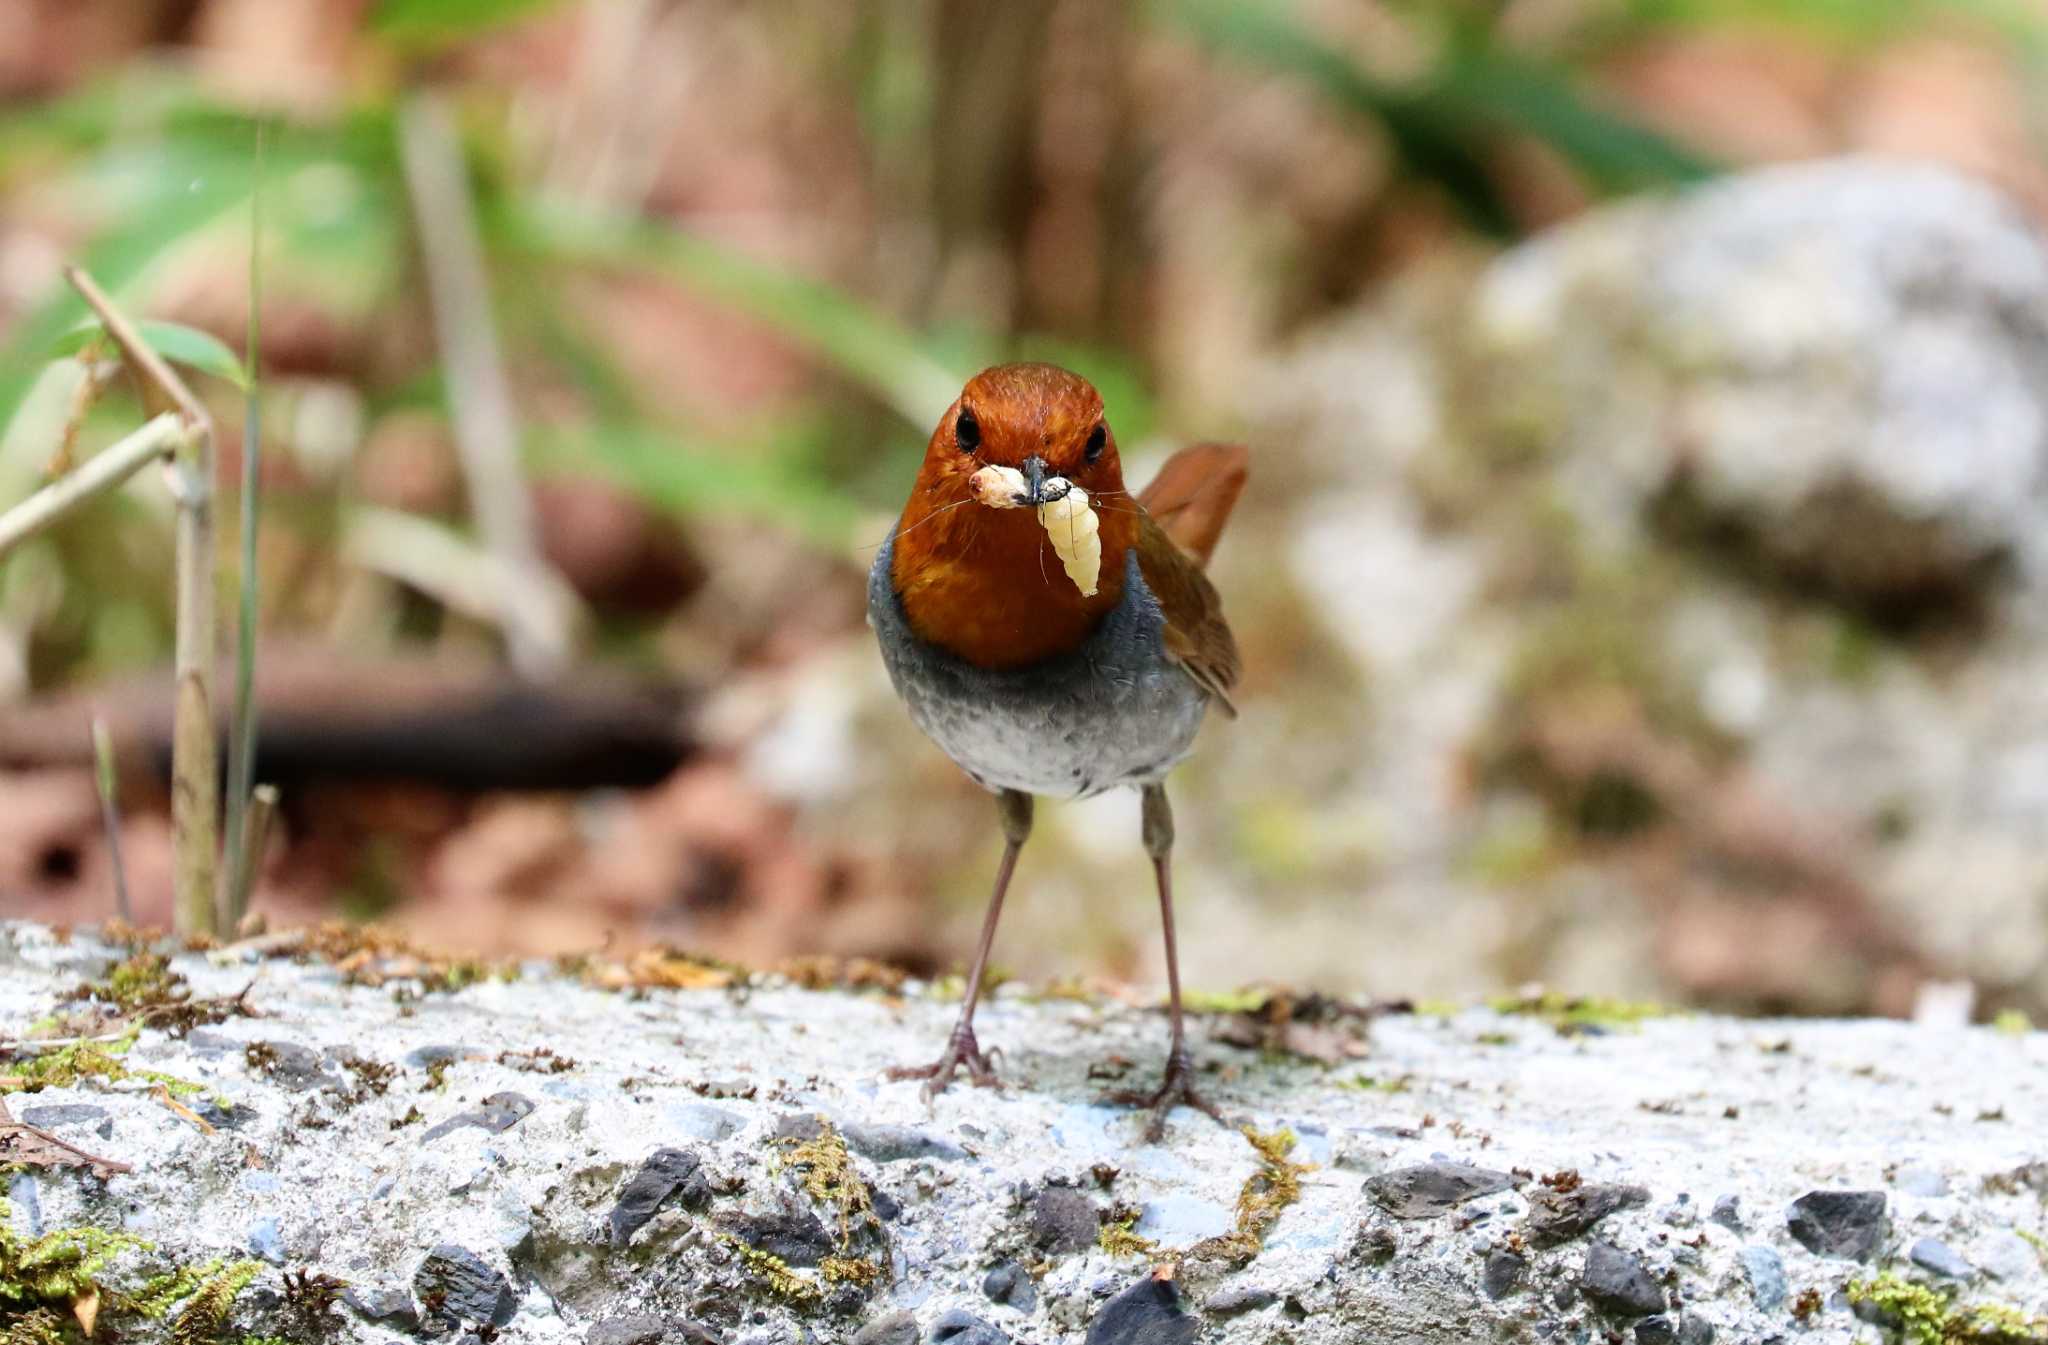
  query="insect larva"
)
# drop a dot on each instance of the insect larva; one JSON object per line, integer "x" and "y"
{"x": 1076, "y": 536}
{"x": 1069, "y": 521}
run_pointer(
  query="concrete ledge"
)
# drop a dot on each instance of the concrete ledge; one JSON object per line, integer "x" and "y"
{"x": 538, "y": 1160}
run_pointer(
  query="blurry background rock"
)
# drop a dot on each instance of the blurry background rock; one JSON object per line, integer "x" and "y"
{"x": 1641, "y": 581}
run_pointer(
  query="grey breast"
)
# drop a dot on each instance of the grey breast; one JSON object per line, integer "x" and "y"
{"x": 1115, "y": 711}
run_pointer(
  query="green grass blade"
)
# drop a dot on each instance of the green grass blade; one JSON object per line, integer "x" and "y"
{"x": 242, "y": 726}
{"x": 866, "y": 345}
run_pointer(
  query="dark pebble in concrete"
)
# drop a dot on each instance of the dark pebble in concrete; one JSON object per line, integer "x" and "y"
{"x": 391, "y": 1307}
{"x": 497, "y": 1113}
{"x": 1433, "y": 1188}
{"x": 797, "y": 1237}
{"x": 1728, "y": 1213}
{"x": 1063, "y": 1220}
{"x": 1147, "y": 1313}
{"x": 59, "y": 1114}
{"x": 1502, "y": 1274}
{"x": 291, "y": 1066}
{"x": 1558, "y": 1217}
{"x": 667, "y": 1172}
{"x": 1011, "y": 1285}
{"x": 960, "y": 1327}
{"x": 1667, "y": 1331}
{"x": 1617, "y": 1282}
{"x": 1846, "y": 1225}
{"x": 1231, "y": 1302}
{"x": 896, "y": 1143}
{"x": 462, "y": 1287}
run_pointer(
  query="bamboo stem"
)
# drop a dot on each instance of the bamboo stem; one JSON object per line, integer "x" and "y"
{"x": 159, "y": 439}
{"x": 195, "y": 753}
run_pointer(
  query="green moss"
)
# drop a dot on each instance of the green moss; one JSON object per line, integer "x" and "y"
{"x": 160, "y": 1293}
{"x": 2014, "y": 1022}
{"x": 206, "y": 1312}
{"x": 58, "y": 1268}
{"x": 1117, "y": 1238}
{"x": 829, "y": 1177}
{"x": 774, "y": 1273}
{"x": 1569, "y": 1013}
{"x": 1226, "y": 1001}
{"x": 1366, "y": 1083}
{"x": 1927, "y": 1316}
{"x": 1267, "y": 1192}
{"x": 38, "y": 1326}
{"x": 67, "y": 1066}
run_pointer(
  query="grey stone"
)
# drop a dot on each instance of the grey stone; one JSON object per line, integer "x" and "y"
{"x": 1618, "y": 1283}
{"x": 1010, "y": 1285}
{"x": 647, "y": 1328}
{"x": 1430, "y": 1189}
{"x": 897, "y": 1328}
{"x": 425, "y": 1057}
{"x": 1766, "y": 1275}
{"x": 392, "y": 1307}
{"x": 1728, "y": 1213}
{"x": 666, "y": 1173}
{"x": 21, "y": 1189}
{"x": 896, "y": 1143}
{"x": 234, "y": 1116}
{"x": 1846, "y": 1225}
{"x": 1147, "y": 1313}
{"x": 1502, "y": 1273}
{"x": 960, "y": 1327}
{"x": 796, "y": 1236}
{"x": 1233, "y": 1302}
{"x": 1558, "y": 1217}
{"x": 266, "y": 1240}
{"x": 294, "y": 1067}
{"x": 1063, "y": 1220}
{"x": 64, "y": 1114}
{"x": 497, "y": 1113}
{"x": 457, "y": 1287}
{"x": 1937, "y": 1256}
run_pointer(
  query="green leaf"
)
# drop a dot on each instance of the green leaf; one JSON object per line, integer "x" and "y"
{"x": 429, "y": 22}
{"x": 1443, "y": 126}
{"x": 174, "y": 341}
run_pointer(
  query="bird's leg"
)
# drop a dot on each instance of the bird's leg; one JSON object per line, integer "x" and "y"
{"x": 962, "y": 1051}
{"x": 1178, "y": 1088}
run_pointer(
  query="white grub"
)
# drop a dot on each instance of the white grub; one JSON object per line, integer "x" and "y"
{"x": 1068, "y": 519}
{"x": 1076, "y": 536}
{"x": 998, "y": 487}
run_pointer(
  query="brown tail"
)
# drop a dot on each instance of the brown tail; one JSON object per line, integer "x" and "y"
{"x": 1193, "y": 495}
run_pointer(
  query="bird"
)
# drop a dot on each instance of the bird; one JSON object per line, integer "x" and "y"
{"x": 1032, "y": 684}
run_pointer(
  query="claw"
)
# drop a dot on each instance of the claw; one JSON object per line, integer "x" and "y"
{"x": 1176, "y": 1090}
{"x": 962, "y": 1052}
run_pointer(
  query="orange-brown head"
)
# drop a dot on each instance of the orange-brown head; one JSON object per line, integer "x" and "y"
{"x": 983, "y": 582}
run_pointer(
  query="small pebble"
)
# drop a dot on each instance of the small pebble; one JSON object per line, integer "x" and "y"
{"x": 1766, "y": 1274}
{"x": 1937, "y": 1256}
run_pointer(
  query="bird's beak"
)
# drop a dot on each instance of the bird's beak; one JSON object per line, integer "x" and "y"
{"x": 1034, "y": 480}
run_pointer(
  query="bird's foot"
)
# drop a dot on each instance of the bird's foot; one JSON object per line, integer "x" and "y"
{"x": 962, "y": 1052}
{"x": 1177, "y": 1090}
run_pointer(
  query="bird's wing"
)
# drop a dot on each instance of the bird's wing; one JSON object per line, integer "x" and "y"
{"x": 1193, "y": 494}
{"x": 1197, "y": 637}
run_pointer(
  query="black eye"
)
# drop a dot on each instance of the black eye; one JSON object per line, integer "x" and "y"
{"x": 967, "y": 432}
{"x": 1097, "y": 439}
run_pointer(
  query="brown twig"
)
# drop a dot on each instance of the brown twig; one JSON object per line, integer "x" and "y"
{"x": 195, "y": 778}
